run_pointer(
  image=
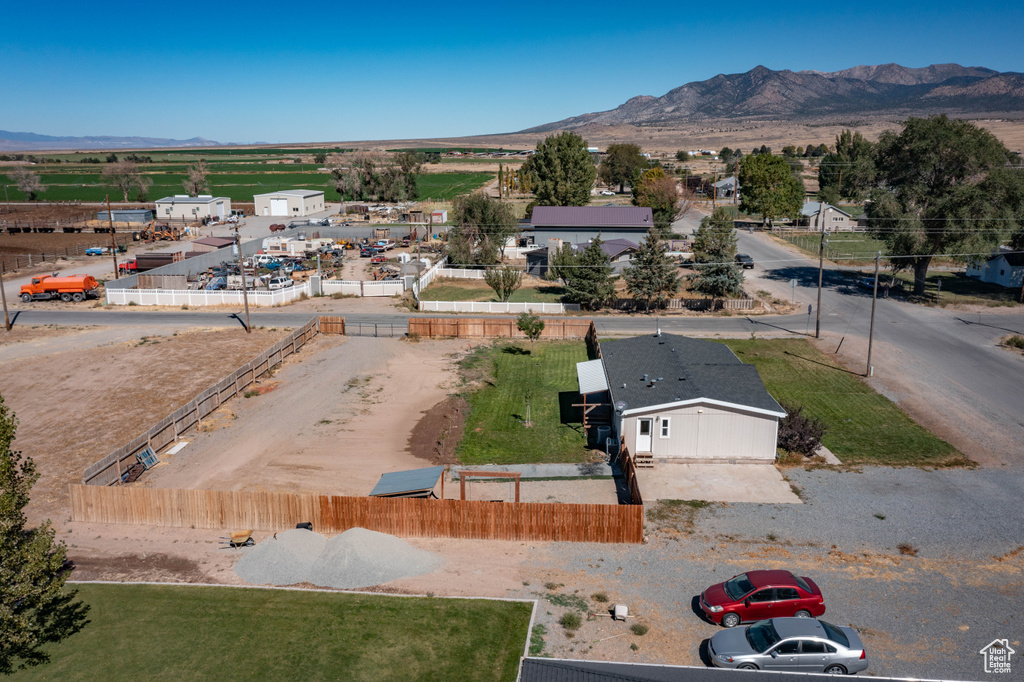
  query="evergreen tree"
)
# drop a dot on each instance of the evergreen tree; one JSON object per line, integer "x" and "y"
{"x": 35, "y": 609}
{"x": 652, "y": 276}
{"x": 620, "y": 163}
{"x": 562, "y": 172}
{"x": 853, "y": 162}
{"x": 714, "y": 252}
{"x": 589, "y": 281}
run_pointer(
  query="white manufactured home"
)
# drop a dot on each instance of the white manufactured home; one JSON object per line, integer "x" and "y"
{"x": 674, "y": 398}
{"x": 184, "y": 207}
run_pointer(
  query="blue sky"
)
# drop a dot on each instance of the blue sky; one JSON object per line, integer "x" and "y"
{"x": 319, "y": 71}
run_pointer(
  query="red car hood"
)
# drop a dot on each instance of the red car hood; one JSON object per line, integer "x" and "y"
{"x": 717, "y": 596}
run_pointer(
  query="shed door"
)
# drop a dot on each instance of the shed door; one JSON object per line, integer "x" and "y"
{"x": 220, "y": 210}
{"x": 644, "y": 428}
{"x": 278, "y": 207}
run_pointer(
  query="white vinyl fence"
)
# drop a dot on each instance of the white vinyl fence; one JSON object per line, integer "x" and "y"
{"x": 427, "y": 277}
{"x": 204, "y": 298}
{"x": 391, "y": 287}
{"x": 486, "y": 307}
{"x": 460, "y": 273}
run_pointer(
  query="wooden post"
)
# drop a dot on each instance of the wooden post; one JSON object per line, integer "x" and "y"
{"x": 517, "y": 488}
{"x": 462, "y": 487}
{"x": 117, "y": 465}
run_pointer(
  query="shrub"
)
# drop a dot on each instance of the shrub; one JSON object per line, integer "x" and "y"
{"x": 639, "y": 629}
{"x": 1015, "y": 341}
{"x": 571, "y": 621}
{"x": 798, "y": 432}
{"x": 600, "y": 597}
{"x": 251, "y": 393}
{"x": 907, "y": 549}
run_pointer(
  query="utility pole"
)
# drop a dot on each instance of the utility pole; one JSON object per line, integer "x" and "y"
{"x": 714, "y": 192}
{"x": 3, "y": 296}
{"x": 113, "y": 242}
{"x": 245, "y": 283}
{"x": 871, "y": 331}
{"x": 821, "y": 266}
{"x": 735, "y": 182}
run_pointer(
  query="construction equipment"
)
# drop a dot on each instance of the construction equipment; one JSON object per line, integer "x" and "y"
{"x": 153, "y": 232}
{"x": 240, "y": 538}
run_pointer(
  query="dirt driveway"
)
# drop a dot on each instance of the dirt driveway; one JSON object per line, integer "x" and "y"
{"x": 332, "y": 420}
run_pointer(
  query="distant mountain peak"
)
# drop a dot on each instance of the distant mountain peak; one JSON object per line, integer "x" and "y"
{"x": 30, "y": 142}
{"x": 793, "y": 95}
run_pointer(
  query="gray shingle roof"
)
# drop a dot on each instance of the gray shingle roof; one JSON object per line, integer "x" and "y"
{"x": 685, "y": 370}
{"x": 592, "y": 216}
{"x": 814, "y": 208}
{"x": 613, "y": 248}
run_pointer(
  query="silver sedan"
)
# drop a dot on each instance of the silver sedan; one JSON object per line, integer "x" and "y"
{"x": 803, "y": 645}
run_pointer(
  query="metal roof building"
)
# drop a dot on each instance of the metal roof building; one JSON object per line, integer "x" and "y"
{"x": 582, "y": 223}
{"x": 290, "y": 202}
{"x": 184, "y": 207}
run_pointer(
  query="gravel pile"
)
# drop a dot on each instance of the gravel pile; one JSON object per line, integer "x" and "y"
{"x": 356, "y": 558}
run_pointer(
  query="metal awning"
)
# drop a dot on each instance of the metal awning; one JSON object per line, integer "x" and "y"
{"x": 590, "y": 376}
{"x": 410, "y": 483}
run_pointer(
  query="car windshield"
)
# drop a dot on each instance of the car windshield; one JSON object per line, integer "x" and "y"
{"x": 835, "y": 634}
{"x": 738, "y": 586}
{"x": 762, "y": 636}
{"x": 802, "y": 583}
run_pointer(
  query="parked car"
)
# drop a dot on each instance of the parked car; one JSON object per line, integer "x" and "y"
{"x": 802, "y": 645}
{"x": 97, "y": 251}
{"x": 607, "y": 193}
{"x": 756, "y": 595}
{"x": 746, "y": 261}
{"x": 866, "y": 283}
{"x": 279, "y": 283}
{"x": 367, "y": 252}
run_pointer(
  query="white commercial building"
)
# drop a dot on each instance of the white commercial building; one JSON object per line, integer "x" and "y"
{"x": 290, "y": 202}
{"x": 184, "y": 207}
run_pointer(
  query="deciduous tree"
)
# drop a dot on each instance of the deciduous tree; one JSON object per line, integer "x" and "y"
{"x": 655, "y": 190}
{"x": 652, "y": 277}
{"x": 124, "y": 176}
{"x": 485, "y": 219}
{"x": 853, "y": 162}
{"x": 28, "y": 182}
{"x": 505, "y": 281}
{"x": 769, "y": 188}
{"x": 714, "y": 253}
{"x": 929, "y": 201}
{"x": 35, "y": 607}
{"x": 366, "y": 176}
{"x": 562, "y": 172}
{"x": 196, "y": 181}
{"x": 531, "y": 325}
{"x": 620, "y": 163}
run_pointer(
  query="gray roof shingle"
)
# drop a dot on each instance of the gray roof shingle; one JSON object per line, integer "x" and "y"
{"x": 685, "y": 369}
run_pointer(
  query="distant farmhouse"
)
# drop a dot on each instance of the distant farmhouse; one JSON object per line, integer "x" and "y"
{"x": 821, "y": 216}
{"x": 1004, "y": 267}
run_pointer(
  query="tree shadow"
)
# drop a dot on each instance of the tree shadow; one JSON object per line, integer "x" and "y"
{"x": 514, "y": 350}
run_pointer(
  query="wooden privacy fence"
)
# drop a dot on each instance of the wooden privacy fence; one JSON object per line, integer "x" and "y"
{"x": 407, "y": 517}
{"x": 628, "y": 466}
{"x": 484, "y": 328}
{"x": 330, "y": 324}
{"x": 107, "y": 471}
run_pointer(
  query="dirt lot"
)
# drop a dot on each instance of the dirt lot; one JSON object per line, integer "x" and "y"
{"x": 76, "y": 404}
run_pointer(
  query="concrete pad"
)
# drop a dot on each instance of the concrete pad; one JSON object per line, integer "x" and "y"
{"x": 758, "y": 483}
{"x": 828, "y": 455}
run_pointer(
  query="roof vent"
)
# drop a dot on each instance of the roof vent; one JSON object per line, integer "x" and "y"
{"x": 645, "y": 378}
{"x": 661, "y": 378}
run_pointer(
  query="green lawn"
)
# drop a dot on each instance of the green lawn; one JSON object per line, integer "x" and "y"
{"x": 864, "y": 427}
{"x": 143, "y": 632}
{"x": 447, "y": 186}
{"x": 495, "y": 433}
{"x": 846, "y": 248}
{"x": 958, "y": 288}
{"x": 474, "y": 290}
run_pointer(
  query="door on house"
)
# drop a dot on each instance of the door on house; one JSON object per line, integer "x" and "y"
{"x": 644, "y": 429}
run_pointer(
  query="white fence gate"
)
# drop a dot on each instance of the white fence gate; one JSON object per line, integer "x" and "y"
{"x": 488, "y": 307}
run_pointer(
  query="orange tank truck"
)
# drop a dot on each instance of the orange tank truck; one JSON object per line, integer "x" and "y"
{"x": 71, "y": 288}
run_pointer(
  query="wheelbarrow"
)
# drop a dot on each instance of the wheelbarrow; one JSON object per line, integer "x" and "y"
{"x": 240, "y": 538}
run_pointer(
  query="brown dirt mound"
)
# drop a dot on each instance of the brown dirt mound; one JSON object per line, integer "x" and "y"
{"x": 138, "y": 567}
{"x": 435, "y": 436}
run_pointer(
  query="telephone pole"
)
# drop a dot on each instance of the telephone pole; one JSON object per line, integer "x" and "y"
{"x": 821, "y": 267}
{"x": 113, "y": 242}
{"x": 3, "y": 297}
{"x": 871, "y": 330}
{"x": 245, "y": 283}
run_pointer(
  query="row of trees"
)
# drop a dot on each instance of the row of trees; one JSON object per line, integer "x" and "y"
{"x": 373, "y": 176}
{"x": 122, "y": 175}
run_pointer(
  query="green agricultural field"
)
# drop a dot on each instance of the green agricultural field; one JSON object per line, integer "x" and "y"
{"x": 509, "y": 374}
{"x": 846, "y": 248}
{"x": 239, "y": 183}
{"x": 145, "y": 632}
{"x": 864, "y": 427}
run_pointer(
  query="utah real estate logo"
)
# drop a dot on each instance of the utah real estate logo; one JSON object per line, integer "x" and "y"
{"x": 997, "y": 656}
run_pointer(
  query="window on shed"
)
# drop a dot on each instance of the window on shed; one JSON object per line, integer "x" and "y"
{"x": 665, "y": 422}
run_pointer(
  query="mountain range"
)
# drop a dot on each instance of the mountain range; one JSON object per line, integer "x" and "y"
{"x": 30, "y": 142}
{"x": 886, "y": 89}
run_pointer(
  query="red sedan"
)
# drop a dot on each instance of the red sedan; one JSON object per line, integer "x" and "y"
{"x": 758, "y": 595}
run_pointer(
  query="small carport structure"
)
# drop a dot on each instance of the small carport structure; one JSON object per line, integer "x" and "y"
{"x": 410, "y": 483}
{"x": 593, "y": 387}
